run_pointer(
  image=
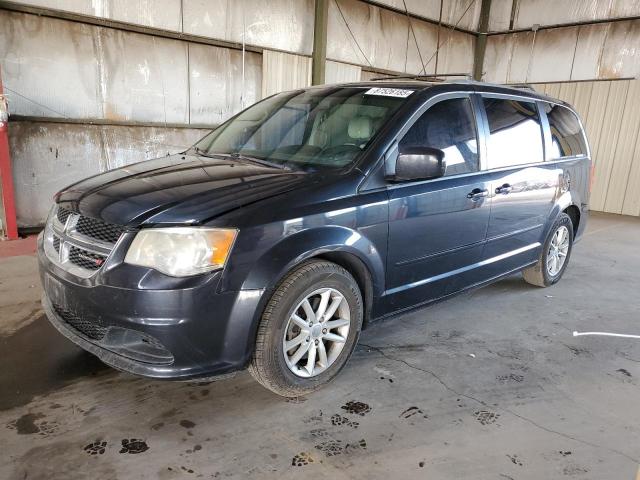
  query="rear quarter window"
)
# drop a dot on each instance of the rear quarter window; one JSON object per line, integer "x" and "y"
{"x": 567, "y": 139}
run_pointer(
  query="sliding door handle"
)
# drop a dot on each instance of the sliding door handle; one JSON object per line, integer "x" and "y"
{"x": 477, "y": 193}
{"x": 504, "y": 189}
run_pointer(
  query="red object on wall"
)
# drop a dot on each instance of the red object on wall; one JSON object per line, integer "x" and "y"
{"x": 8, "y": 198}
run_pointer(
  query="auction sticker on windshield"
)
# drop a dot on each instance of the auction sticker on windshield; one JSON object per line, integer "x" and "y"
{"x": 389, "y": 92}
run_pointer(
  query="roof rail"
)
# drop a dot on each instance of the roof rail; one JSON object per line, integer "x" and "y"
{"x": 522, "y": 86}
{"x": 440, "y": 77}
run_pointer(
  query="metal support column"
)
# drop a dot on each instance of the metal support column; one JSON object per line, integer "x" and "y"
{"x": 9, "y": 225}
{"x": 319, "y": 42}
{"x": 481, "y": 39}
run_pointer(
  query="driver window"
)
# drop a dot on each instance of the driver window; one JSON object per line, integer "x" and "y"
{"x": 448, "y": 125}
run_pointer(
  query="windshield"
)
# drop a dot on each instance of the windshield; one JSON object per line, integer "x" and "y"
{"x": 313, "y": 128}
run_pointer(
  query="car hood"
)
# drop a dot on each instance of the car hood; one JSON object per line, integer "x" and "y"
{"x": 178, "y": 189}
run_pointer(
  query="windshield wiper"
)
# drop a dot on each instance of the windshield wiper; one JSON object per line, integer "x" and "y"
{"x": 238, "y": 156}
{"x": 259, "y": 161}
{"x": 199, "y": 151}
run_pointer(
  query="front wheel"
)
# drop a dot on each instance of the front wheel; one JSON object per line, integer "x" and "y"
{"x": 555, "y": 254}
{"x": 308, "y": 329}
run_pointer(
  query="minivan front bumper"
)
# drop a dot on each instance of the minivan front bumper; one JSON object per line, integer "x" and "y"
{"x": 181, "y": 333}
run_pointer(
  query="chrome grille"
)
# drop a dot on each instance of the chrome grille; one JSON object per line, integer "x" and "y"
{"x": 86, "y": 327}
{"x": 93, "y": 228}
{"x": 79, "y": 244}
{"x": 62, "y": 214}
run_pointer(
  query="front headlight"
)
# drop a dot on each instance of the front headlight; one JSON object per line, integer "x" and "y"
{"x": 181, "y": 251}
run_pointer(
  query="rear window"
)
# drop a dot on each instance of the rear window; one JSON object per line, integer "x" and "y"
{"x": 567, "y": 139}
{"x": 515, "y": 132}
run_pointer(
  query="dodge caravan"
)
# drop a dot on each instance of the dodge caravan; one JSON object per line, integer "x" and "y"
{"x": 274, "y": 240}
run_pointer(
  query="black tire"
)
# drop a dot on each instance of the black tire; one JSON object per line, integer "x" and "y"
{"x": 268, "y": 364}
{"x": 538, "y": 274}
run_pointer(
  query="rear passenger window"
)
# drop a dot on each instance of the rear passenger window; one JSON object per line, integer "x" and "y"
{"x": 567, "y": 139}
{"x": 515, "y": 133}
{"x": 450, "y": 126}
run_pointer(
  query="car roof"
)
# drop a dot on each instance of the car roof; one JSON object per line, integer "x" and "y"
{"x": 442, "y": 86}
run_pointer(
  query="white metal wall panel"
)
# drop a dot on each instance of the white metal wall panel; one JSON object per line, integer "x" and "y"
{"x": 141, "y": 77}
{"x": 552, "y": 55}
{"x": 497, "y": 58}
{"x": 387, "y": 42}
{"x": 453, "y": 11}
{"x": 500, "y": 15}
{"x": 460, "y": 13}
{"x": 623, "y": 152}
{"x": 71, "y": 70}
{"x": 631, "y": 203}
{"x": 604, "y": 156}
{"x": 427, "y": 39}
{"x": 624, "y": 8}
{"x": 284, "y": 71}
{"x": 588, "y": 52}
{"x": 163, "y": 14}
{"x": 453, "y": 56}
{"x": 550, "y": 12}
{"x": 52, "y": 63}
{"x": 612, "y": 122}
{"x": 279, "y": 24}
{"x": 520, "y": 60}
{"x": 380, "y": 33}
{"x": 47, "y": 157}
{"x": 621, "y": 53}
{"x": 216, "y": 85}
{"x": 337, "y": 72}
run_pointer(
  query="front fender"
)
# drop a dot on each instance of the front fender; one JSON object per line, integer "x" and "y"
{"x": 273, "y": 265}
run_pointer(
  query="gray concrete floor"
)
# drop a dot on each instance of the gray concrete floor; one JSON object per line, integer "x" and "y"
{"x": 488, "y": 385}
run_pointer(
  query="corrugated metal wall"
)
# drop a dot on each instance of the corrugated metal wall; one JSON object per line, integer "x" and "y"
{"x": 150, "y": 95}
{"x": 284, "y": 71}
{"x": 610, "y": 112}
{"x": 383, "y": 38}
{"x": 150, "y": 81}
{"x": 587, "y": 52}
{"x": 157, "y": 87}
{"x": 524, "y": 14}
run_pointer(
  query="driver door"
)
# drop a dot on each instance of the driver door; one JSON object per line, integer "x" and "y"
{"x": 438, "y": 227}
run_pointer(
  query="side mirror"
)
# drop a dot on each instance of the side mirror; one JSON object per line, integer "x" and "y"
{"x": 419, "y": 163}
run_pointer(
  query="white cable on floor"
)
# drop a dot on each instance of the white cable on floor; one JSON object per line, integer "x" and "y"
{"x": 606, "y": 334}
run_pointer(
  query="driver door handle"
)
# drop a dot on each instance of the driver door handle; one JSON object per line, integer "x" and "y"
{"x": 504, "y": 189}
{"x": 477, "y": 193}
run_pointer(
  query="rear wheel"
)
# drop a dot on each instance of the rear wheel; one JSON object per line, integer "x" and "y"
{"x": 308, "y": 329}
{"x": 555, "y": 254}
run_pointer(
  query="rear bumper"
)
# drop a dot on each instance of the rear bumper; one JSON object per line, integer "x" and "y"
{"x": 582, "y": 225}
{"x": 181, "y": 333}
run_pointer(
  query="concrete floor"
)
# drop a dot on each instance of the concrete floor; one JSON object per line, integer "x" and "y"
{"x": 489, "y": 385}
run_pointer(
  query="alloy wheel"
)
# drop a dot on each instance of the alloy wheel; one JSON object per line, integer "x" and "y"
{"x": 558, "y": 250}
{"x": 316, "y": 332}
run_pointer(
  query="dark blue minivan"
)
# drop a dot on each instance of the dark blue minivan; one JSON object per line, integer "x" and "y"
{"x": 279, "y": 236}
